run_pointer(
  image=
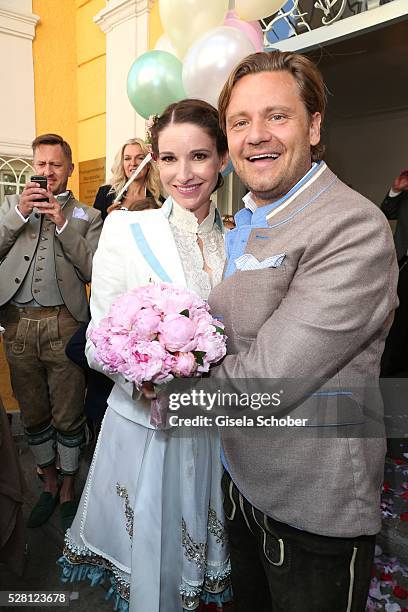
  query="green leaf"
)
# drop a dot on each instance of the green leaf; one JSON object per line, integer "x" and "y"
{"x": 199, "y": 355}
{"x": 185, "y": 313}
{"x": 220, "y": 330}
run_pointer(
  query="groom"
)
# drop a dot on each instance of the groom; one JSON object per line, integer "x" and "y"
{"x": 309, "y": 293}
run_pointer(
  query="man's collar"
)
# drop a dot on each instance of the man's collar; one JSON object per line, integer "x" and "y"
{"x": 252, "y": 214}
{"x": 63, "y": 197}
{"x": 248, "y": 202}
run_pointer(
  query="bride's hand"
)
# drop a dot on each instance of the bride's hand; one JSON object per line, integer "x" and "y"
{"x": 148, "y": 391}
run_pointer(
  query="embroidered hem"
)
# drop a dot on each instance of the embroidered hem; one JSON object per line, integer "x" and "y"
{"x": 98, "y": 571}
{"x": 79, "y": 563}
{"x": 96, "y": 575}
{"x": 216, "y": 590}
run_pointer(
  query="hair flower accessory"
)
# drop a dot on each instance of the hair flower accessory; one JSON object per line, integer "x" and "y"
{"x": 149, "y": 124}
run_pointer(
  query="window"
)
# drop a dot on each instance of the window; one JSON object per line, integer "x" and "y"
{"x": 14, "y": 174}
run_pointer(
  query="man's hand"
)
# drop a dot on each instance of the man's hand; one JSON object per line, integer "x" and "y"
{"x": 401, "y": 181}
{"x": 29, "y": 198}
{"x": 52, "y": 210}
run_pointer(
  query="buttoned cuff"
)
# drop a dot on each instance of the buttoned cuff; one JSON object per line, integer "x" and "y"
{"x": 393, "y": 194}
{"x": 25, "y": 219}
{"x": 59, "y": 231}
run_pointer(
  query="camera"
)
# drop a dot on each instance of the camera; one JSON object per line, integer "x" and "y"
{"x": 42, "y": 180}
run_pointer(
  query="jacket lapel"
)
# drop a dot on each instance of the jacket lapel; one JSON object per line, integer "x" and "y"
{"x": 322, "y": 180}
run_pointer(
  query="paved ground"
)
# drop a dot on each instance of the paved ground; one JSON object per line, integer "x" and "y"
{"x": 44, "y": 546}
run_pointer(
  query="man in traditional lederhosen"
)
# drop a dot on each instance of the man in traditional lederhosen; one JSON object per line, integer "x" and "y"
{"x": 47, "y": 242}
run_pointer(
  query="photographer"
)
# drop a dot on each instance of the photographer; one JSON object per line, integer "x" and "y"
{"x": 47, "y": 242}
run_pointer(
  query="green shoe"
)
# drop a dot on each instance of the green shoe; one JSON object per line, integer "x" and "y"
{"x": 67, "y": 513}
{"x": 43, "y": 509}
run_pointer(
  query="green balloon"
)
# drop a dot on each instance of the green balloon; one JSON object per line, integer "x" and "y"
{"x": 154, "y": 81}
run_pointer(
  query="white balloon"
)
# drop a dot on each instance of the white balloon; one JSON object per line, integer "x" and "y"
{"x": 184, "y": 21}
{"x": 257, "y": 9}
{"x": 209, "y": 62}
{"x": 164, "y": 44}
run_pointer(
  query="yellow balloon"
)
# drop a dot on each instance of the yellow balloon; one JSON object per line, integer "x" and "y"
{"x": 257, "y": 9}
{"x": 184, "y": 21}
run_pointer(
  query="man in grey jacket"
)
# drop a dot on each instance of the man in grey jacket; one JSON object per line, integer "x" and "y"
{"x": 47, "y": 242}
{"x": 308, "y": 297}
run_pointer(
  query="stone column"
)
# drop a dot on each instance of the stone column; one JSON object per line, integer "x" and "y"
{"x": 126, "y": 25}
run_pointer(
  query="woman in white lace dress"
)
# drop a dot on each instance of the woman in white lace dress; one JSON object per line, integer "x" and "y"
{"x": 150, "y": 517}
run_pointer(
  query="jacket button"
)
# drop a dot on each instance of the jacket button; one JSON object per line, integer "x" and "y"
{"x": 26, "y": 257}
{"x": 17, "y": 280}
{"x": 33, "y": 235}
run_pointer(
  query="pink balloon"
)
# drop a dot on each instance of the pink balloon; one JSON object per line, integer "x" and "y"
{"x": 252, "y": 29}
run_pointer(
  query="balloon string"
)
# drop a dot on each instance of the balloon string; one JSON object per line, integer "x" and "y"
{"x": 134, "y": 175}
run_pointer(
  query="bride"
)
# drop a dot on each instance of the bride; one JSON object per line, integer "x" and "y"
{"x": 150, "y": 517}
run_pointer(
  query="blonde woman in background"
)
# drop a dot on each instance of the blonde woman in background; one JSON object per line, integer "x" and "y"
{"x": 147, "y": 183}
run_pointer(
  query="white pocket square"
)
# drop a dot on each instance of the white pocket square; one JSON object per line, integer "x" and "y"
{"x": 250, "y": 262}
{"x": 79, "y": 213}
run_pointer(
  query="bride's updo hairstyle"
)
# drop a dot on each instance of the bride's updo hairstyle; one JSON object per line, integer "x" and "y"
{"x": 197, "y": 112}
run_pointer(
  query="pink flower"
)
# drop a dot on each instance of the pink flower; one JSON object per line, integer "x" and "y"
{"x": 175, "y": 299}
{"x": 147, "y": 338}
{"x": 145, "y": 324}
{"x": 176, "y": 333}
{"x": 145, "y": 361}
{"x": 184, "y": 364}
{"x": 213, "y": 344}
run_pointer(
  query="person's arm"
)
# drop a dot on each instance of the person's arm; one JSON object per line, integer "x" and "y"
{"x": 397, "y": 196}
{"x": 11, "y": 225}
{"x": 102, "y": 200}
{"x": 79, "y": 249}
{"x": 108, "y": 283}
{"x": 15, "y": 212}
{"x": 391, "y": 205}
{"x": 342, "y": 294}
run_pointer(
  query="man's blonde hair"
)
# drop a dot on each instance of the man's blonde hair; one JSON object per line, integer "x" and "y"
{"x": 307, "y": 76}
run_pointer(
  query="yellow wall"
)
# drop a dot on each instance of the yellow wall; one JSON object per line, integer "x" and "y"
{"x": 69, "y": 54}
{"x": 55, "y": 78}
{"x": 91, "y": 58}
{"x": 155, "y": 25}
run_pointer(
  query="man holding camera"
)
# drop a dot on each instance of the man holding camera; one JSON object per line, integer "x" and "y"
{"x": 47, "y": 242}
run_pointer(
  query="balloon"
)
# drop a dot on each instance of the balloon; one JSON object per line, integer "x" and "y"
{"x": 154, "y": 81}
{"x": 252, "y": 29}
{"x": 257, "y": 9}
{"x": 164, "y": 44}
{"x": 209, "y": 62}
{"x": 184, "y": 21}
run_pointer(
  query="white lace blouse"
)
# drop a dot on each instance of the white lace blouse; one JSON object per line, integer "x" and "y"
{"x": 186, "y": 231}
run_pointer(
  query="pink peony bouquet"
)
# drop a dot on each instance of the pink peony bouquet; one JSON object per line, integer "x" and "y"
{"x": 158, "y": 332}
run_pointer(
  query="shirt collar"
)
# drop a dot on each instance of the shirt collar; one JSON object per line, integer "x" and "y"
{"x": 63, "y": 197}
{"x": 254, "y": 214}
{"x": 170, "y": 207}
